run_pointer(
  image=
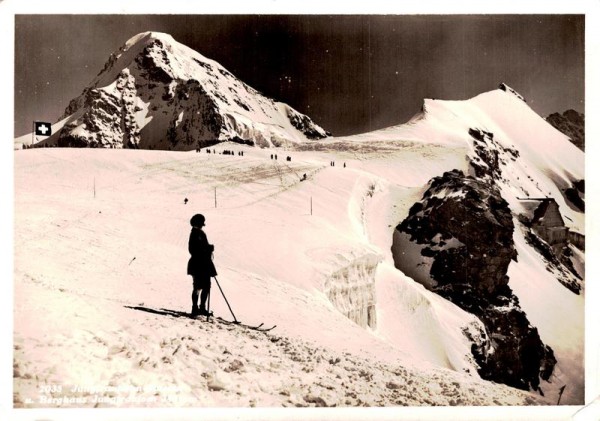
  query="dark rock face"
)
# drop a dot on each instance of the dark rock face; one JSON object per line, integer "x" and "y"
{"x": 570, "y": 123}
{"x": 152, "y": 68}
{"x": 101, "y": 111}
{"x": 574, "y": 195}
{"x": 506, "y": 88}
{"x": 465, "y": 229}
{"x": 241, "y": 141}
{"x": 520, "y": 358}
{"x": 558, "y": 263}
{"x": 75, "y": 104}
{"x": 489, "y": 156}
{"x": 197, "y": 109}
{"x": 72, "y": 141}
{"x": 476, "y": 216}
{"x": 514, "y": 353}
{"x": 305, "y": 125}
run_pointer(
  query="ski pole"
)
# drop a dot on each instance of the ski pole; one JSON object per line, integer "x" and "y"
{"x": 220, "y": 289}
{"x": 560, "y": 392}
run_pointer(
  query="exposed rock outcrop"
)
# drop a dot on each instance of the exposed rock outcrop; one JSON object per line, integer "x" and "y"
{"x": 466, "y": 226}
{"x": 107, "y": 119}
{"x": 572, "y": 124}
{"x": 489, "y": 156}
{"x": 463, "y": 229}
{"x": 196, "y": 121}
{"x": 559, "y": 263}
{"x": 304, "y": 124}
{"x": 575, "y": 195}
{"x": 506, "y": 88}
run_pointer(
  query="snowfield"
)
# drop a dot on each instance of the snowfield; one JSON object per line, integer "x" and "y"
{"x": 101, "y": 250}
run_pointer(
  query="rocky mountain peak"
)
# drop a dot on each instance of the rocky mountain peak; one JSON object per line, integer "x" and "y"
{"x": 156, "y": 93}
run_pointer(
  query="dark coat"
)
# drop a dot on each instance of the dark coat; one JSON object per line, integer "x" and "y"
{"x": 200, "y": 264}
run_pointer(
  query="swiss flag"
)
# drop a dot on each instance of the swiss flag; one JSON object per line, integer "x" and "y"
{"x": 42, "y": 128}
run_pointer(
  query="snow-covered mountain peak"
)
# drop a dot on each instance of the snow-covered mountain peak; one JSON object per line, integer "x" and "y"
{"x": 149, "y": 36}
{"x": 159, "y": 46}
{"x": 142, "y": 39}
{"x": 156, "y": 93}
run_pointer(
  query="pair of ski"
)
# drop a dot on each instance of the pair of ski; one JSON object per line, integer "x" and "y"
{"x": 260, "y": 327}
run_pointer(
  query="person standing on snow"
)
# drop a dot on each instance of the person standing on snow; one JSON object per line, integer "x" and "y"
{"x": 200, "y": 266}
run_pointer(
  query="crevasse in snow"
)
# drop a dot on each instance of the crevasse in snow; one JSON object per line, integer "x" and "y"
{"x": 351, "y": 289}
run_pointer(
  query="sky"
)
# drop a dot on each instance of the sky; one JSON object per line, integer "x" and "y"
{"x": 349, "y": 73}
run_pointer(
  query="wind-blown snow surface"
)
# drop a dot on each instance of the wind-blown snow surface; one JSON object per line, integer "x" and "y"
{"x": 101, "y": 251}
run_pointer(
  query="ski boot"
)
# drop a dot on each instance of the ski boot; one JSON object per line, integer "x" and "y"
{"x": 204, "y": 312}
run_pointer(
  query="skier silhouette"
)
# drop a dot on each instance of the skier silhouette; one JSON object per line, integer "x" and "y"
{"x": 200, "y": 266}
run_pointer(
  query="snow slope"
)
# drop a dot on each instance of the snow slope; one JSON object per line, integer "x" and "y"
{"x": 547, "y": 163}
{"x": 101, "y": 251}
{"x": 75, "y": 264}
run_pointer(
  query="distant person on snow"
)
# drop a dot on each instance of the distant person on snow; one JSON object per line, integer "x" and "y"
{"x": 200, "y": 265}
